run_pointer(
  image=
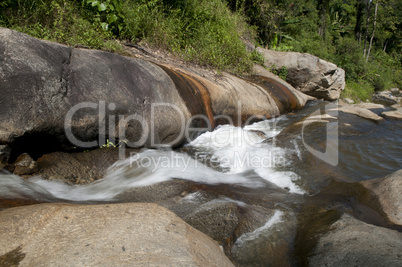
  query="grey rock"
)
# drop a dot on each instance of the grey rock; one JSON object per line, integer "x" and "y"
{"x": 51, "y": 80}
{"x": 25, "y": 165}
{"x": 268, "y": 245}
{"x": 384, "y": 98}
{"x": 388, "y": 192}
{"x": 351, "y": 242}
{"x": 392, "y": 115}
{"x": 103, "y": 235}
{"x": 361, "y": 112}
{"x": 349, "y": 101}
{"x": 217, "y": 219}
{"x": 396, "y": 92}
{"x": 78, "y": 168}
{"x": 376, "y": 108}
{"x": 307, "y": 73}
{"x": 4, "y": 153}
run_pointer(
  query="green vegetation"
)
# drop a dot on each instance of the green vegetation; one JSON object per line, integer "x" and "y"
{"x": 203, "y": 32}
{"x": 282, "y": 72}
{"x": 361, "y": 36}
{"x": 111, "y": 144}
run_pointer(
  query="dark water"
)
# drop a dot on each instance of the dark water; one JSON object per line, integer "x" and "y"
{"x": 373, "y": 155}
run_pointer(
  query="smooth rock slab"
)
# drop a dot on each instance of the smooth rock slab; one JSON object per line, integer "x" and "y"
{"x": 376, "y": 108}
{"x": 388, "y": 191}
{"x": 103, "y": 235}
{"x": 392, "y": 115}
{"x": 361, "y": 112}
{"x": 355, "y": 243}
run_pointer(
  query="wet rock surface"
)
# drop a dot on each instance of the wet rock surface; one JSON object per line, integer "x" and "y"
{"x": 268, "y": 245}
{"x": 351, "y": 242}
{"x": 79, "y": 168}
{"x": 120, "y": 234}
{"x": 387, "y": 192}
{"x": 376, "y": 108}
{"x": 393, "y": 114}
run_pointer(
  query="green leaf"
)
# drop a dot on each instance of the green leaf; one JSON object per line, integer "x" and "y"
{"x": 105, "y": 26}
{"x": 95, "y": 3}
{"x": 117, "y": 5}
{"x": 102, "y": 7}
{"x": 111, "y": 18}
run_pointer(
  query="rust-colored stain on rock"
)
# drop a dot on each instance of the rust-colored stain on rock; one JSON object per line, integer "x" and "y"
{"x": 194, "y": 93}
{"x": 283, "y": 97}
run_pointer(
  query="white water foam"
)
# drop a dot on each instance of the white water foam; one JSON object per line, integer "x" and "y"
{"x": 275, "y": 219}
{"x": 143, "y": 169}
{"x": 238, "y": 150}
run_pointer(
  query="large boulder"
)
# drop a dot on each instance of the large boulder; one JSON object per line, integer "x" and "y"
{"x": 43, "y": 82}
{"x": 55, "y": 96}
{"x": 78, "y": 168}
{"x": 103, "y": 235}
{"x": 387, "y": 191}
{"x": 270, "y": 244}
{"x": 307, "y": 73}
{"x": 351, "y": 242}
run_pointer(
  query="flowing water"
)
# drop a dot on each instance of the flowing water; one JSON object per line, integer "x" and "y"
{"x": 231, "y": 158}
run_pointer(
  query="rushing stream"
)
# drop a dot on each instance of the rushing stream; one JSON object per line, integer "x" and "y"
{"x": 231, "y": 155}
{"x": 244, "y": 160}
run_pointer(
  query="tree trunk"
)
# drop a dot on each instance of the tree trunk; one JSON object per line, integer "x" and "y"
{"x": 368, "y": 7}
{"x": 385, "y": 45}
{"x": 372, "y": 35}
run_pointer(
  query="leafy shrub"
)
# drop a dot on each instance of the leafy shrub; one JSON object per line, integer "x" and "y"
{"x": 281, "y": 72}
{"x": 56, "y": 20}
{"x": 204, "y": 32}
{"x": 108, "y": 14}
{"x": 257, "y": 57}
{"x": 349, "y": 57}
{"x": 358, "y": 91}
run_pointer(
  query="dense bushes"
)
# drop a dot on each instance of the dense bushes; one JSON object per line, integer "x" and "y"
{"x": 204, "y": 32}
{"x": 62, "y": 21}
{"x": 209, "y": 33}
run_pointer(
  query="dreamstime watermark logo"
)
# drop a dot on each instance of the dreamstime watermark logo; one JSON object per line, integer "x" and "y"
{"x": 166, "y": 125}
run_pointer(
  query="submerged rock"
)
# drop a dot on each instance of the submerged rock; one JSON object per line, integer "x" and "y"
{"x": 388, "y": 192}
{"x": 103, "y": 235}
{"x": 307, "y": 73}
{"x": 351, "y": 242}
